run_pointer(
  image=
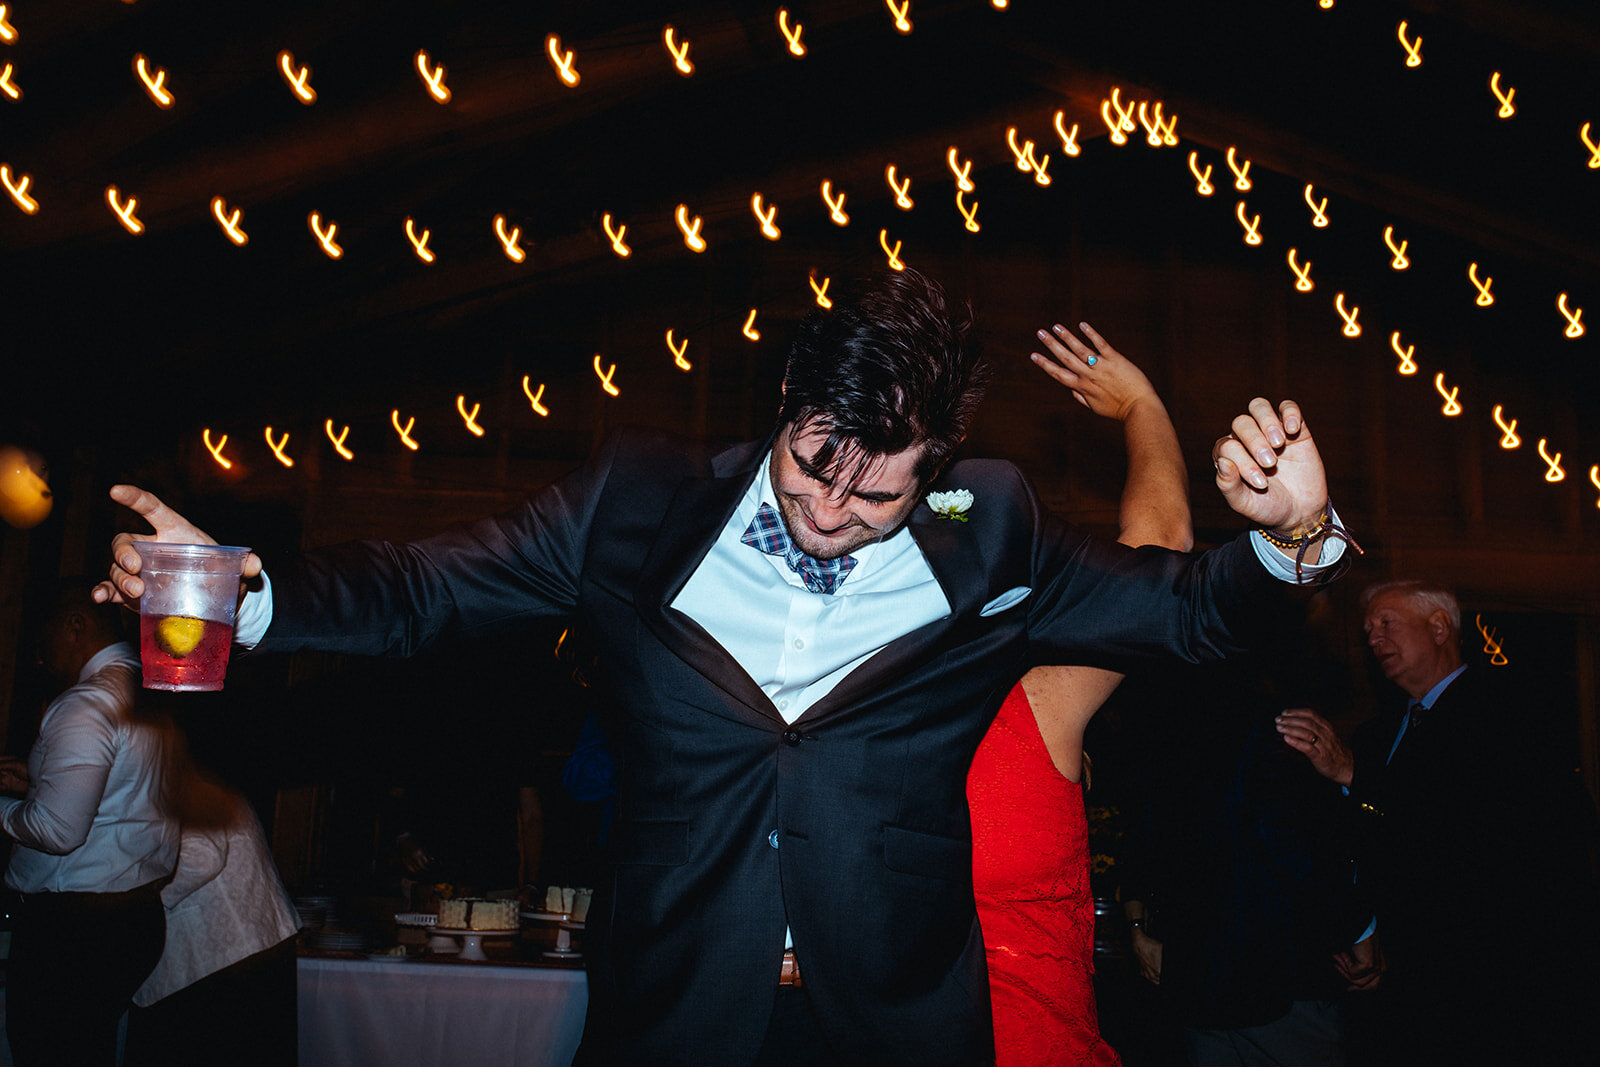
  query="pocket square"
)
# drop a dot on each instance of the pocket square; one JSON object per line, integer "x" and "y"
{"x": 1009, "y": 599}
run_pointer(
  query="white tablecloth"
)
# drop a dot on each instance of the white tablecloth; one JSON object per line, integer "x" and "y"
{"x": 355, "y": 1013}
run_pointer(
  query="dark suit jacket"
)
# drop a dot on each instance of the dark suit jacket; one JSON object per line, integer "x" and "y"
{"x": 851, "y": 825}
{"x": 1472, "y": 855}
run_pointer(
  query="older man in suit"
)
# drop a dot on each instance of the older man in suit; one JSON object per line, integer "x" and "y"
{"x": 802, "y": 657}
{"x": 1464, "y": 809}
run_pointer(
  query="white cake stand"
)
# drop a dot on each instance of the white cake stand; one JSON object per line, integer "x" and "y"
{"x": 472, "y": 940}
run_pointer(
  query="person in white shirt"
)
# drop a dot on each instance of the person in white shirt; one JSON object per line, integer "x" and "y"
{"x": 94, "y": 843}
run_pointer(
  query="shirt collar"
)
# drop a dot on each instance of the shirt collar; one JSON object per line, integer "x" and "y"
{"x": 1433, "y": 694}
{"x": 761, "y": 492}
{"x": 97, "y": 662}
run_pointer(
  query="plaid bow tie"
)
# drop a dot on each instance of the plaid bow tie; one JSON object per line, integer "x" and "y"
{"x": 766, "y": 533}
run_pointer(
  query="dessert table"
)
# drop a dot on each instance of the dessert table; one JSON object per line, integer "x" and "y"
{"x": 356, "y": 1012}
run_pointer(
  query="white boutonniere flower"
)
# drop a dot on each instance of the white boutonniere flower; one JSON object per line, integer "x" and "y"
{"x": 951, "y": 505}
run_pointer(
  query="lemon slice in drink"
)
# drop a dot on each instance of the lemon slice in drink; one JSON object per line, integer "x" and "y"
{"x": 179, "y": 634}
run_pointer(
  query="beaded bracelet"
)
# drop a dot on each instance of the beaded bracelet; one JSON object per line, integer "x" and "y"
{"x": 1324, "y": 526}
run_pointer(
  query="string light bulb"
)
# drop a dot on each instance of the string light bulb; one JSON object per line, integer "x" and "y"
{"x": 404, "y": 432}
{"x": 1574, "y": 317}
{"x": 900, "y": 11}
{"x": 561, "y": 61}
{"x": 216, "y": 448}
{"x": 469, "y": 418}
{"x": 229, "y": 221}
{"x": 791, "y": 34}
{"x": 154, "y": 84}
{"x": 679, "y": 52}
{"x": 278, "y": 447}
{"x": 297, "y": 77}
{"x": 1555, "y": 473}
{"x": 1069, "y": 138}
{"x": 419, "y": 244}
{"x": 432, "y": 77}
{"x": 901, "y": 189}
{"x": 124, "y": 210}
{"x": 1508, "y": 431}
{"x": 835, "y": 205}
{"x": 510, "y": 243}
{"x": 1319, "y": 209}
{"x": 338, "y": 440}
{"x": 1407, "y": 366}
{"x": 535, "y": 399}
{"x": 1302, "y": 274}
{"x": 1399, "y": 262}
{"x": 1413, "y": 48}
{"x": 1252, "y": 232}
{"x": 1506, "y": 107}
{"x": 605, "y": 377}
{"x": 17, "y": 189}
{"x": 1352, "y": 328}
{"x": 1452, "y": 405}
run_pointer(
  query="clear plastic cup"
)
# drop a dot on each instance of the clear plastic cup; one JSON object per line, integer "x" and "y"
{"x": 186, "y": 613}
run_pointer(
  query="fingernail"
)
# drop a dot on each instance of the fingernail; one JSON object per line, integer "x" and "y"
{"x": 1266, "y": 458}
{"x": 1083, "y": 326}
{"x": 1043, "y": 336}
{"x": 1258, "y": 479}
{"x": 1275, "y": 437}
{"x": 1036, "y": 357}
{"x": 1292, "y": 424}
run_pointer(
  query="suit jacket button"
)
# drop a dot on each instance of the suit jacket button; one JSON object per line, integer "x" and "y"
{"x": 791, "y": 737}
{"x": 772, "y": 839}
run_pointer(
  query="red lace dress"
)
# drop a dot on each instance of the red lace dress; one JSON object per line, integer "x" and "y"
{"x": 1030, "y": 874}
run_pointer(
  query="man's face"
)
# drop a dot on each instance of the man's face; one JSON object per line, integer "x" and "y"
{"x": 1405, "y": 642}
{"x": 826, "y": 519}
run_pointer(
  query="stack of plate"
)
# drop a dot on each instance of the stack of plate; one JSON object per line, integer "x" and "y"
{"x": 338, "y": 940}
{"x": 315, "y": 911}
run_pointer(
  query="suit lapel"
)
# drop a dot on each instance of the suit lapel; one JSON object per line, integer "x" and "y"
{"x": 698, "y": 511}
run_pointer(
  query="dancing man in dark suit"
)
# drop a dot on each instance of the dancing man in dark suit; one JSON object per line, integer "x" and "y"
{"x": 802, "y": 655}
{"x": 1463, "y": 807}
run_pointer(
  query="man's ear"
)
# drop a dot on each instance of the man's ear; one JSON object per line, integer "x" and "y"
{"x": 1439, "y": 627}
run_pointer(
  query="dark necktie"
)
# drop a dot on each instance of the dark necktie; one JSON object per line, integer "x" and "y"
{"x": 1415, "y": 713}
{"x": 767, "y": 534}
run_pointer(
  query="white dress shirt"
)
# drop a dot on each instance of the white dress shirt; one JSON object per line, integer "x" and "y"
{"x": 761, "y": 612}
{"x": 95, "y": 817}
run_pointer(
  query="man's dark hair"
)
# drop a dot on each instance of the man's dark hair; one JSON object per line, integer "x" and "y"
{"x": 889, "y": 367}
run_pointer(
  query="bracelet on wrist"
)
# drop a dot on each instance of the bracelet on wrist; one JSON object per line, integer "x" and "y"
{"x": 1298, "y": 543}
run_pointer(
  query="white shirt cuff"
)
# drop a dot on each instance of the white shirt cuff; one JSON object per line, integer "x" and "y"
{"x": 1282, "y": 567}
{"x": 250, "y": 622}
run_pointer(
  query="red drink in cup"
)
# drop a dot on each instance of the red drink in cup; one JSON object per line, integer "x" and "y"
{"x": 186, "y": 613}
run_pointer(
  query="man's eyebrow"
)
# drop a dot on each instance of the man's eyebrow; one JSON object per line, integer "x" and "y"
{"x": 810, "y": 470}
